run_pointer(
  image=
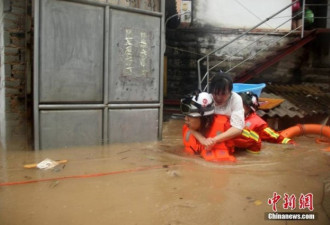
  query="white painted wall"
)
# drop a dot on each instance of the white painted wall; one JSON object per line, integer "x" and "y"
{"x": 241, "y": 13}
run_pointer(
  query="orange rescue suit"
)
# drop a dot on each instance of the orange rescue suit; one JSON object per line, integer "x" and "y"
{"x": 220, "y": 151}
{"x": 257, "y": 130}
{"x": 255, "y": 123}
{"x": 249, "y": 140}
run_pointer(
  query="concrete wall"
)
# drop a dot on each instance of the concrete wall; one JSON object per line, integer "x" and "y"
{"x": 13, "y": 121}
{"x": 210, "y": 30}
{"x": 241, "y": 14}
{"x": 2, "y": 76}
{"x": 185, "y": 46}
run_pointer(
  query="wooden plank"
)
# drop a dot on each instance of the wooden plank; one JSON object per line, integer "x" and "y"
{"x": 269, "y": 103}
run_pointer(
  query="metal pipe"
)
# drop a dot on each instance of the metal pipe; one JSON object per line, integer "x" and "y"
{"x": 36, "y": 76}
{"x": 161, "y": 72}
{"x": 208, "y": 72}
{"x": 106, "y": 74}
{"x": 317, "y": 4}
{"x": 199, "y": 76}
{"x": 71, "y": 106}
{"x": 168, "y": 19}
{"x": 135, "y": 106}
{"x": 178, "y": 14}
{"x": 89, "y": 2}
{"x": 135, "y": 10}
{"x": 303, "y": 19}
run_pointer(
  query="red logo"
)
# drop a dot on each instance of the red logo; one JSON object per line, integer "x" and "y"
{"x": 305, "y": 201}
{"x": 204, "y": 102}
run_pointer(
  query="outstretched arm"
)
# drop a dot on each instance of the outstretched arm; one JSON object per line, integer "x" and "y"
{"x": 209, "y": 142}
{"x": 228, "y": 134}
{"x": 237, "y": 122}
{"x": 203, "y": 140}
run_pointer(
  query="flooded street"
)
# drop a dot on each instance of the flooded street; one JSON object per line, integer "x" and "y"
{"x": 156, "y": 183}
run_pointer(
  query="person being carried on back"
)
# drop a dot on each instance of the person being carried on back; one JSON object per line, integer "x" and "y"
{"x": 227, "y": 103}
{"x": 198, "y": 110}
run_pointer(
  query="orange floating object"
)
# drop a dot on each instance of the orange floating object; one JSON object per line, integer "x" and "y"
{"x": 301, "y": 129}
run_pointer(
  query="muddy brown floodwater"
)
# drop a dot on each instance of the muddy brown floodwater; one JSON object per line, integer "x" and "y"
{"x": 156, "y": 183}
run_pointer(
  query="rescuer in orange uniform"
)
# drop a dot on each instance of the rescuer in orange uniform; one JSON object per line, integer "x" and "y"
{"x": 256, "y": 129}
{"x": 199, "y": 116}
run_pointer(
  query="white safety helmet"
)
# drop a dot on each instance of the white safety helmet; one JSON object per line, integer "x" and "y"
{"x": 201, "y": 104}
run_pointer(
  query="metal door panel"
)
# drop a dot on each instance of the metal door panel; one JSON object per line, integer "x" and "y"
{"x": 133, "y": 125}
{"x": 71, "y": 50}
{"x": 134, "y": 62}
{"x": 97, "y": 73}
{"x": 64, "y": 128}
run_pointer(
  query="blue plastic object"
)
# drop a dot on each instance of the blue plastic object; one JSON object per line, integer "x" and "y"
{"x": 255, "y": 88}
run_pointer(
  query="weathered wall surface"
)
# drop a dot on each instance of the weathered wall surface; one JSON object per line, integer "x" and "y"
{"x": 2, "y": 75}
{"x": 16, "y": 38}
{"x": 241, "y": 14}
{"x": 215, "y": 23}
{"x": 151, "y": 5}
{"x": 13, "y": 77}
{"x": 311, "y": 63}
{"x": 185, "y": 46}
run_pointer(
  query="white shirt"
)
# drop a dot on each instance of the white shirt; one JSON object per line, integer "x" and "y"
{"x": 233, "y": 108}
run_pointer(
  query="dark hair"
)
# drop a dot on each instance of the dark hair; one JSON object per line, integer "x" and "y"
{"x": 221, "y": 83}
{"x": 206, "y": 123}
{"x": 247, "y": 98}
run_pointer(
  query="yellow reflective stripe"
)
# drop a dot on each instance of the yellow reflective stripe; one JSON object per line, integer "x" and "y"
{"x": 271, "y": 132}
{"x": 286, "y": 140}
{"x": 246, "y": 133}
{"x": 254, "y": 135}
{"x": 250, "y": 134}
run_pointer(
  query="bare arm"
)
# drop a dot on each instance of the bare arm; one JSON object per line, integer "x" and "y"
{"x": 203, "y": 140}
{"x": 236, "y": 121}
{"x": 209, "y": 142}
{"x": 228, "y": 134}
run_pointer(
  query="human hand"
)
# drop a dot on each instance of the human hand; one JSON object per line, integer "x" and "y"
{"x": 209, "y": 143}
